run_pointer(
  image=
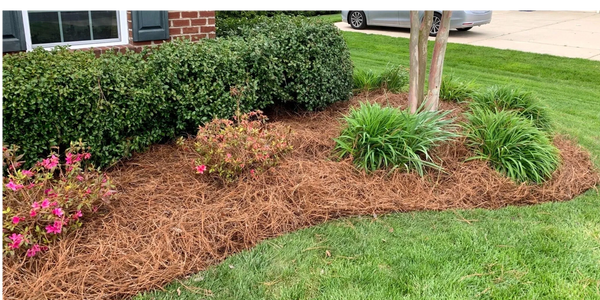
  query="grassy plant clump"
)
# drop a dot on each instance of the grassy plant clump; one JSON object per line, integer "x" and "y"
{"x": 394, "y": 78}
{"x": 378, "y": 137}
{"x": 365, "y": 81}
{"x": 455, "y": 90}
{"x": 511, "y": 144}
{"x": 499, "y": 98}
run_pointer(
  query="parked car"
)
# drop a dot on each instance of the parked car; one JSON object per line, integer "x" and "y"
{"x": 461, "y": 20}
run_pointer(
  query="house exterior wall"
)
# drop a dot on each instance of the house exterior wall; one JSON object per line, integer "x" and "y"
{"x": 194, "y": 25}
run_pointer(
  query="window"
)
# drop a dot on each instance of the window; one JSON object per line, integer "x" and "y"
{"x": 79, "y": 29}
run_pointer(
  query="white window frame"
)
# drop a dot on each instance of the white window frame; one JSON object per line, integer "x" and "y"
{"x": 122, "y": 40}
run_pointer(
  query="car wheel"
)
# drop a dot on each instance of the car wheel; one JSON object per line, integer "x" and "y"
{"x": 358, "y": 20}
{"x": 464, "y": 29}
{"x": 435, "y": 25}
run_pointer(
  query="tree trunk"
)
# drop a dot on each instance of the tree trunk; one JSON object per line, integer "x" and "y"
{"x": 423, "y": 38}
{"x": 437, "y": 63}
{"x": 413, "y": 81}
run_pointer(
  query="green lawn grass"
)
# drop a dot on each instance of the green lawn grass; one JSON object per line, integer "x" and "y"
{"x": 334, "y": 18}
{"x": 547, "y": 251}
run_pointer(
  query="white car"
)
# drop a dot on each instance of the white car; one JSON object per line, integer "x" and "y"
{"x": 461, "y": 20}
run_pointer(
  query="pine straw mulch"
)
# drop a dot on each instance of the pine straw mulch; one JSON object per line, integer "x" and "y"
{"x": 167, "y": 222}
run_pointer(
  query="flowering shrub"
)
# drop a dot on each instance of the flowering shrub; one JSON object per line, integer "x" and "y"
{"x": 246, "y": 145}
{"x": 45, "y": 202}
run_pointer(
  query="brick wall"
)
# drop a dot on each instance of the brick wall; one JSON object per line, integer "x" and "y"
{"x": 194, "y": 25}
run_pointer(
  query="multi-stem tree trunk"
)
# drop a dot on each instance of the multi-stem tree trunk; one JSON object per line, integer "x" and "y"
{"x": 437, "y": 63}
{"x": 423, "y": 38}
{"x": 413, "y": 81}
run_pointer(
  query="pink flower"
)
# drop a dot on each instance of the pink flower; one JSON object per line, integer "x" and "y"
{"x": 79, "y": 177}
{"x": 77, "y": 215}
{"x": 58, "y": 212}
{"x": 56, "y": 203}
{"x": 51, "y": 162}
{"x": 15, "y": 187}
{"x": 16, "y": 220}
{"x": 69, "y": 159}
{"x": 88, "y": 191}
{"x": 87, "y": 155}
{"x": 49, "y": 193}
{"x": 228, "y": 155}
{"x": 30, "y": 186}
{"x": 33, "y": 250}
{"x": 27, "y": 173}
{"x": 55, "y": 228}
{"x": 200, "y": 169}
{"x": 32, "y": 213}
{"x": 17, "y": 240}
{"x": 46, "y": 203}
{"x": 35, "y": 205}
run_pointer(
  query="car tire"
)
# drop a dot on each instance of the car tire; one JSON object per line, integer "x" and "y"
{"x": 357, "y": 19}
{"x": 435, "y": 25}
{"x": 464, "y": 29}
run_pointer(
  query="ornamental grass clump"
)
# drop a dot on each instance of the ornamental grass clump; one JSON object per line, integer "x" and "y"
{"x": 511, "y": 144}
{"x": 44, "y": 203}
{"x": 498, "y": 98}
{"x": 393, "y": 79}
{"x": 455, "y": 90}
{"x": 376, "y": 137}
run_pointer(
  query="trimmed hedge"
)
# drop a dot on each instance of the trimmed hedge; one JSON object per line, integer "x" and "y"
{"x": 119, "y": 103}
{"x": 318, "y": 70}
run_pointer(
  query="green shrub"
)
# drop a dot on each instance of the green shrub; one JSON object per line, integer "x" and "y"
{"x": 512, "y": 145}
{"x": 454, "y": 90}
{"x": 499, "y": 98}
{"x": 378, "y": 137}
{"x": 309, "y": 62}
{"x": 120, "y": 103}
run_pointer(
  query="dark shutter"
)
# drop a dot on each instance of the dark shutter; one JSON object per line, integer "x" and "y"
{"x": 13, "y": 35}
{"x": 150, "y": 25}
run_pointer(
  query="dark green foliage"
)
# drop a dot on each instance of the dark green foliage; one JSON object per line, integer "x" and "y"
{"x": 120, "y": 103}
{"x": 225, "y": 19}
{"x": 511, "y": 144}
{"x": 386, "y": 138}
{"x": 309, "y": 62}
{"x": 499, "y": 98}
{"x": 250, "y": 12}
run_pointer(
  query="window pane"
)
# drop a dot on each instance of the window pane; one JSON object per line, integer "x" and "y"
{"x": 44, "y": 27}
{"x": 76, "y": 26}
{"x": 104, "y": 24}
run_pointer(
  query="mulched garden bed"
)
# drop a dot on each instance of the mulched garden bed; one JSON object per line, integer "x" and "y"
{"x": 167, "y": 222}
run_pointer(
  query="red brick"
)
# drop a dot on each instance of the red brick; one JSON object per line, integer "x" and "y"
{"x": 211, "y": 21}
{"x": 204, "y": 14}
{"x": 174, "y": 15}
{"x": 174, "y": 31}
{"x": 145, "y": 43}
{"x": 207, "y": 29}
{"x": 180, "y": 23}
{"x": 189, "y": 14}
{"x": 212, "y": 35}
{"x": 198, "y": 22}
{"x": 186, "y": 30}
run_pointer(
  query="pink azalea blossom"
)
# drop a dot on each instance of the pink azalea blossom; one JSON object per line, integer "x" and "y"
{"x": 16, "y": 220}
{"x": 46, "y": 203}
{"x": 88, "y": 191}
{"x": 55, "y": 228}
{"x": 87, "y": 155}
{"x": 252, "y": 172}
{"x": 33, "y": 250}
{"x": 228, "y": 155}
{"x": 35, "y": 205}
{"x": 30, "y": 186}
{"x": 58, "y": 212}
{"x": 200, "y": 169}
{"x": 32, "y": 213}
{"x": 77, "y": 215}
{"x": 27, "y": 173}
{"x": 15, "y": 187}
{"x": 17, "y": 240}
{"x": 50, "y": 163}
{"x": 79, "y": 177}
{"x": 56, "y": 203}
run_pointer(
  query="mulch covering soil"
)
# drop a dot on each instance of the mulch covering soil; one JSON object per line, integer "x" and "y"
{"x": 167, "y": 222}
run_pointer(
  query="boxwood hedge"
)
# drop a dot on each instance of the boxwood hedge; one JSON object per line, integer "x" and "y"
{"x": 120, "y": 103}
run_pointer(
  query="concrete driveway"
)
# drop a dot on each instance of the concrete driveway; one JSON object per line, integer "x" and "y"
{"x": 563, "y": 33}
